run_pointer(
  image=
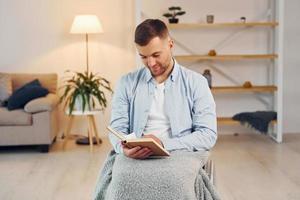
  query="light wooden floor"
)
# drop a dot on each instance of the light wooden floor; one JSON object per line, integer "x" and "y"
{"x": 248, "y": 167}
{"x": 254, "y": 167}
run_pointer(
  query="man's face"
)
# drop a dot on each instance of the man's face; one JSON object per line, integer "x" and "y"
{"x": 156, "y": 55}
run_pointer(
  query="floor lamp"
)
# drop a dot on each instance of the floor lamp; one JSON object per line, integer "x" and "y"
{"x": 86, "y": 24}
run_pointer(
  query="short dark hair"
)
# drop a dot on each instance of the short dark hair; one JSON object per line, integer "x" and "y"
{"x": 149, "y": 29}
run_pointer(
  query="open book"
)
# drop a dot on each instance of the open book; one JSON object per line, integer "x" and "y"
{"x": 156, "y": 148}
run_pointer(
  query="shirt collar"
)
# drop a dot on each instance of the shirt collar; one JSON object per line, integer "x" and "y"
{"x": 175, "y": 71}
{"x": 172, "y": 76}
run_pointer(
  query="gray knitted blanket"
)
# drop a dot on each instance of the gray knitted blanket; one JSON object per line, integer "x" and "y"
{"x": 179, "y": 177}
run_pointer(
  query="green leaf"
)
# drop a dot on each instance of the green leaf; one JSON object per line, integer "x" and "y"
{"x": 180, "y": 13}
{"x": 167, "y": 15}
{"x": 86, "y": 85}
{"x": 174, "y": 8}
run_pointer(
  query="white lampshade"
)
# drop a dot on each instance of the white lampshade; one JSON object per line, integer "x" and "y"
{"x": 84, "y": 24}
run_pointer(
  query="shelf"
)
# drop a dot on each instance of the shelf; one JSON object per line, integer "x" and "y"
{"x": 241, "y": 89}
{"x": 230, "y": 121}
{"x": 220, "y": 25}
{"x": 191, "y": 58}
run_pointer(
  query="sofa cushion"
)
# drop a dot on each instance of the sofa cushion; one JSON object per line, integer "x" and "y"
{"x": 26, "y": 93}
{"x": 41, "y": 104}
{"x": 14, "y": 118}
{"x": 5, "y": 87}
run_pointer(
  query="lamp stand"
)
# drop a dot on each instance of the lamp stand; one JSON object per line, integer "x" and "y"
{"x": 87, "y": 51}
{"x": 85, "y": 140}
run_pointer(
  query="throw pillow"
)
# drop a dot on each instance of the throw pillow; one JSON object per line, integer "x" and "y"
{"x": 5, "y": 87}
{"x": 26, "y": 93}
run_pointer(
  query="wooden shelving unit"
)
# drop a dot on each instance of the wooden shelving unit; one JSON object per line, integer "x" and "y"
{"x": 229, "y": 121}
{"x": 241, "y": 89}
{"x": 221, "y": 25}
{"x": 192, "y": 58}
{"x": 270, "y": 24}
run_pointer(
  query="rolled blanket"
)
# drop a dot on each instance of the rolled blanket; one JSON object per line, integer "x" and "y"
{"x": 179, "y": 177}
{"x": 258, "y": 120}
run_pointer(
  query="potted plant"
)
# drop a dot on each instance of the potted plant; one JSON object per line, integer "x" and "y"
{"x": 174, "y": 11}
{"x": 83, "y": 90}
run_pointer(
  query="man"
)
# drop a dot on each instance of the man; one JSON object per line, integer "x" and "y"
{"x": 163, "y": 100}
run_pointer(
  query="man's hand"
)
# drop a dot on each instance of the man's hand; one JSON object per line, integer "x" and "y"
{"x": 137, "y": 152}
{"x": 154, "y": 138}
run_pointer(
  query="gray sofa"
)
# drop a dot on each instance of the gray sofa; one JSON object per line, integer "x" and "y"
{"x": 36, "y": 124}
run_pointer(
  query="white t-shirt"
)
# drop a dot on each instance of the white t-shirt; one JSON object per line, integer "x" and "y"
{"x": 158, "y": 123}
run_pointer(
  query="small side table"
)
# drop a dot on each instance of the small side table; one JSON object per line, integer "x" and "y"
{"x": 92, "y": 128}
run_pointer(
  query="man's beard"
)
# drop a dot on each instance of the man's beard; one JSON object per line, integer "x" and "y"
{"x": 158, "y": 69}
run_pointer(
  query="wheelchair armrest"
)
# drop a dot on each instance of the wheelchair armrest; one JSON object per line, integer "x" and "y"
{"x": 209, "y": 168}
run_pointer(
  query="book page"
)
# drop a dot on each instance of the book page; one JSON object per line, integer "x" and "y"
{"x": 117, "y": 134}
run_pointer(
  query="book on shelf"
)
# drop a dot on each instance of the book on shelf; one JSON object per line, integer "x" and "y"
{"x": 150, "y": 143}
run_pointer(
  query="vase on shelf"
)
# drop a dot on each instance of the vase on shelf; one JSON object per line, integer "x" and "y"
{"x": 208, "y": 77}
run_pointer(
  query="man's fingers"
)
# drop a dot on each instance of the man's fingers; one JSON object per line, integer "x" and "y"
{"x": 141, "y": 153}
{"x": 137, "y": 152}
{"x": 147, "y": 155}
{"x": 134, "y": 150}
{"x": 144, "y": 154}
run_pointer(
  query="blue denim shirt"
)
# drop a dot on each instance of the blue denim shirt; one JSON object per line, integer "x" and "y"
{"x": 189, "y": 106}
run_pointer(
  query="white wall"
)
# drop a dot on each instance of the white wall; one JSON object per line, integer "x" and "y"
{"x": 34, "y": 38}
{"x": 291, "y": 68}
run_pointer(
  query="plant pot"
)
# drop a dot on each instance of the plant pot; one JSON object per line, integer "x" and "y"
{"x": 78, "y": 105}
{"x": 173, "y": 20}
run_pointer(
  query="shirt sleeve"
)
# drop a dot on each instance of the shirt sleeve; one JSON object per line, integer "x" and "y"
{"x": 204, "y": 123}
{"x": 119, "y": 114}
